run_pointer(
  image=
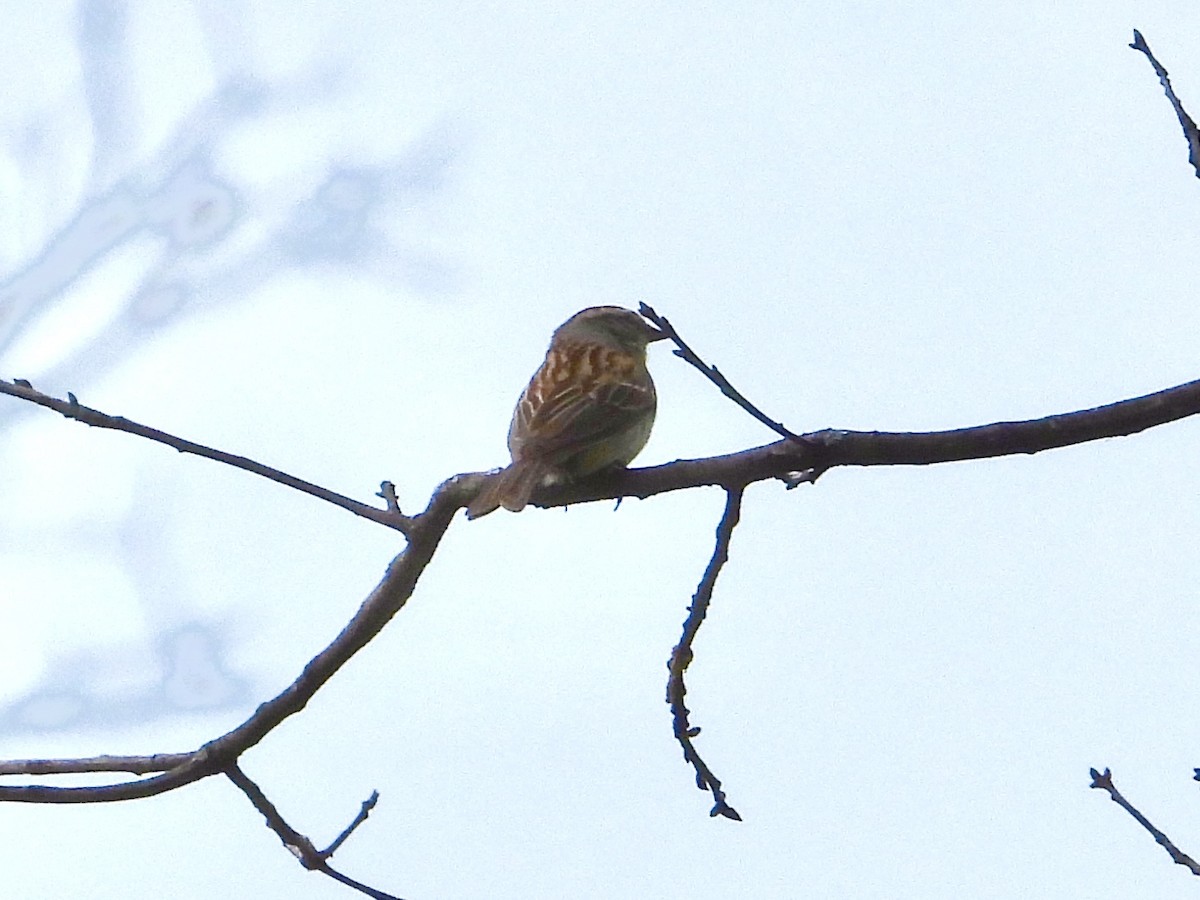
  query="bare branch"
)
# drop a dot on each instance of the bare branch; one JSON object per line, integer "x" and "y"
{"x": 73, "y": 409}
{"x": 298, "y": 844}
{"x": 687, "y": 354}
{"x": 367, "y": 806}
{"x": 357, "y": 885}
{"x": 1105, "y": 782}
{"x": 387, "y": 491}
{"x": 681, "y": 657}
{"x": 793, "y": 461}
{"x": 823, "y": 450}
{"x": 1190, "y": 133}
{"x": 784, "y": 459}
{"x": 196, "y": 766}
{"x": 138, "y": 765}
{"x": 816, "y": 453}
{"x": 398, "y": 584}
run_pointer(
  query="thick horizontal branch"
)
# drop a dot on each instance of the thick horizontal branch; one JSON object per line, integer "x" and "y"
{"x": 823, "y": 450}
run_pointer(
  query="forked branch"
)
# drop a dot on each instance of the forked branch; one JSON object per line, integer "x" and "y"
{"x": 300, "y": 846}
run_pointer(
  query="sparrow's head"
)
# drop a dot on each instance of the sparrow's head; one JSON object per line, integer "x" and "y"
{"x": 610, "y": 326}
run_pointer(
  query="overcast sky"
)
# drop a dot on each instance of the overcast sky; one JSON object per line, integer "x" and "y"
{"x": 337, "y": 242}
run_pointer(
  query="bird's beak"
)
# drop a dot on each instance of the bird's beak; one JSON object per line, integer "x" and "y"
{"x": 653, "y": 334}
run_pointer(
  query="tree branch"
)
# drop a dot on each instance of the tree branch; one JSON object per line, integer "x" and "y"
{"x": 681, "y": 657}
{"x": 138, "y": 765}
{"x": 424, "y": 533}
{"x": 364, "y": 811}
{"x": 795, "y": 459}
{"x": 688, "y": 355}
{"x": 1105, "y": 782}
{"x": 73, "y": 409}
{"x": 818, "y": 452}
{"x": 1190, "y": 133}
{"x": 300, "y": 845}
{"x": 811, "y": 455}
{"x": 821, "y": 450}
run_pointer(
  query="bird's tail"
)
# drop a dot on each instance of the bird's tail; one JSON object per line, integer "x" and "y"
{"x": 510, "y": 488}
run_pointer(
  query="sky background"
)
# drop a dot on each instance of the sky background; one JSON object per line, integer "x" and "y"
{"x": 337, "y": 241}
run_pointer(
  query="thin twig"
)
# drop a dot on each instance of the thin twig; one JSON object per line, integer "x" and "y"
{"x": 1105, "y": 782}
{"x": 367, "y": 806}
{"x": 138, "y": 765}
{"x": 387, "y": 491}
{"x": 1190, "y": 133}
{"x": 357, "y": 885}
{"x": 298, "y": 844}
{"x": 73, "y": 409}
{"x": 681, "y": 656}
{"x": 689, "y": 355}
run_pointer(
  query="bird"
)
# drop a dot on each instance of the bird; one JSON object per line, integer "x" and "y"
{"x": 589, "y": 408}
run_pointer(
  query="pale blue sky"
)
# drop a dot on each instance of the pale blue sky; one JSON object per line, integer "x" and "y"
{"x": 337, "y": 242}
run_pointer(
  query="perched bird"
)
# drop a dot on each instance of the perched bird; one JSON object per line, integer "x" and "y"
{"x": 589, "y": 407}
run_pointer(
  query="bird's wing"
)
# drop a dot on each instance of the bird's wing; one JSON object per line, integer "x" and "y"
{"x": 555, "y": 421}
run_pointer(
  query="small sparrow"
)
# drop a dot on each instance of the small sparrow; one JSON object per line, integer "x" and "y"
{"x": 589, "y": 407}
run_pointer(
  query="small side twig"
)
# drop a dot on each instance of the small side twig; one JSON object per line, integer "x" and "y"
{"x": 689, "y": 355}
{"x": 367, "y": 806}
{"x": 73, "y": 409}
{"x": 681, "y": 656}
{"x": 1105, "y": 782}
{"x": 1190, "y": 133}
{"x": 387, "y": 491}
{"x": 298, "y": 844}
